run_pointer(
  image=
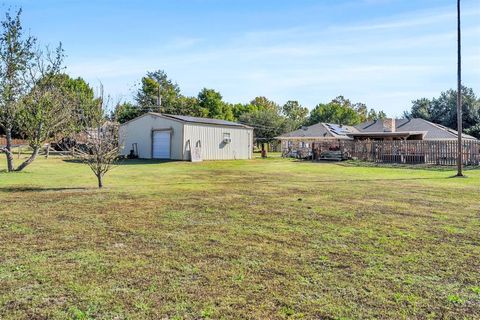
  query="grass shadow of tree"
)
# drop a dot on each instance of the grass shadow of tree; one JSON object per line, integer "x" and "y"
{"x": 39, "y": 189}
{"x": 124, "y": 162}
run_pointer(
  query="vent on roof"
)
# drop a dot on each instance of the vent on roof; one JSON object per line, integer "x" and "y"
{"x": 304, "y": 128}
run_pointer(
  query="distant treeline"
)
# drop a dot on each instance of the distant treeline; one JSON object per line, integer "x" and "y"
{"x": 158, "y": 93}
{"x": 443, "y": 110}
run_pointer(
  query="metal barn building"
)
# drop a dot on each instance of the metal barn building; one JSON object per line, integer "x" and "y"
{"x": 162, "y": 136}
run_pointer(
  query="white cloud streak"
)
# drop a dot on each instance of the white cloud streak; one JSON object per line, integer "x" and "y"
{"x": 386, "y": 63}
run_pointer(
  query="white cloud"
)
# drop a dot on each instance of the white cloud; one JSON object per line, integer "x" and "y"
{"x": 387, "y": 63}
{"x": 413, "y": 20}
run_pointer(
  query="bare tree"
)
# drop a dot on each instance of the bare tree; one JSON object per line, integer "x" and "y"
{"x": 459, "y": 95}
{"x": 99, "y": 147}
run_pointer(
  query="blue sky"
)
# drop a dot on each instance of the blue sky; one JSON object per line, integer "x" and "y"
{"x": 381, "y": 52}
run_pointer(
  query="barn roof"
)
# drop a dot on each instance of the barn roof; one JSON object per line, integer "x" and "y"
{"x": 190, "y": 119}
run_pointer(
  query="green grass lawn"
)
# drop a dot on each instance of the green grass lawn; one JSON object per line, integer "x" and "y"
{"x": 260, "y": 239}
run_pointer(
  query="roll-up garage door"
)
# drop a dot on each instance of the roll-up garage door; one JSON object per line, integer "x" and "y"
{"x": 161, "y": 144}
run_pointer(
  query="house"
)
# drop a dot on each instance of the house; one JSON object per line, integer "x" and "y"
{"x": 301, "y": 140}
{"x": 385, "y": 130}
{"x": 164, "y": 136}
{"x": 387, "y": 140}
{"x": 405, "y": 129}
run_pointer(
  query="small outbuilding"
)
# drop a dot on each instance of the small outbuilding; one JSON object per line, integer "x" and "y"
{"x": 163, "y": 136}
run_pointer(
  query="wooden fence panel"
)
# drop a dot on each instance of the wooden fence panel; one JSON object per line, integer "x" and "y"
{"x": 409, "y": 152}
{"x": 15, "y": 142}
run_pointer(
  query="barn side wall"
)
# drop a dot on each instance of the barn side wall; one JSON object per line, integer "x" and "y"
{"x": 212, "y": 142}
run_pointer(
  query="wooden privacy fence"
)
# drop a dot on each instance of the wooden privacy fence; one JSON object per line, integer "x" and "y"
{"x": 15, "y": 142}
{"x": 408, "y": 151}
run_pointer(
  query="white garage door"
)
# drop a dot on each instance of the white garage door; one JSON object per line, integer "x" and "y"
{"x": 161, "y": 144}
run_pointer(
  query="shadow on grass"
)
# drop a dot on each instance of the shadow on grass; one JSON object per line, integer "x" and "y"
{"x": 38, "y": 189}
{"x": 458, "y": 177}
{"x": 427, "y": 167}
{"x": 350, "y": 180}
{"x": 250, "y": 181}
{"x": 128, "y": 162}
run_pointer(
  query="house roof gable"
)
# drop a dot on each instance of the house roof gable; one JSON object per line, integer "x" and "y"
{"x": 432, "y": 130}
{"x": 403, "y": 127}
{"x": 320, "y": 130}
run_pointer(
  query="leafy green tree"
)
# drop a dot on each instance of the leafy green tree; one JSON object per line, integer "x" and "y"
{"x": 420, "y": 109}
{"x": 473, "y": 130}
{"x": 334, "y": 113}
{"x": 239, "y": 109}
{"x": 341, "y": 111}
{"x": 295, "y": 114}
{"x": 54, "y": 106}
{"x": 188, "y": 106}
{"x": 267, "y": 124}
{"x": 211, "y": 101}
{"x": 228, "y": 112}
{"x": 35, "y": 96}
{"x": 374, "y": 115}
{"x": 125, "y": 111}
{"x": 362, "y": 111}
{"x": 443, "y": 110}
{"x": 157, "y": 93}
{"x": 262, "y": 103}
{"x": 380, "y": 115}
{"x": 17, "y": 55}
{"x": 81, "y": 99}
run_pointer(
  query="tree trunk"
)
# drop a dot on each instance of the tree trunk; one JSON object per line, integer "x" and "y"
{"x": 8, "y": 134}
{"x": 29, "y": 160}
{"x": 100, "y": 181}
{"x": 47, "y": 150}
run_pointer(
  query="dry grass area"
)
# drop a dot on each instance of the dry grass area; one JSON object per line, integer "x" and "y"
{"x": 261, "y": 239}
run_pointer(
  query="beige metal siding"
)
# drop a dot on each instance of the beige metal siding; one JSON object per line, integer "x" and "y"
{"x": 212, "y": 145}
{"x": 140, "y": 130}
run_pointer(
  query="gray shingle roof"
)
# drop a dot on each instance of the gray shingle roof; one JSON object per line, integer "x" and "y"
{"x": 320, "y": 130}
{"x": 432, "y": 131}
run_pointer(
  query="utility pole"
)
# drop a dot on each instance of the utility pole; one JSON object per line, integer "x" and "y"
{"x": 459, "y": 96}
{"x": 159, "y": 98}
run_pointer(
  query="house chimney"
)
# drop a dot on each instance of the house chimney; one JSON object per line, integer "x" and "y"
{"x": 389, "y": 124}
